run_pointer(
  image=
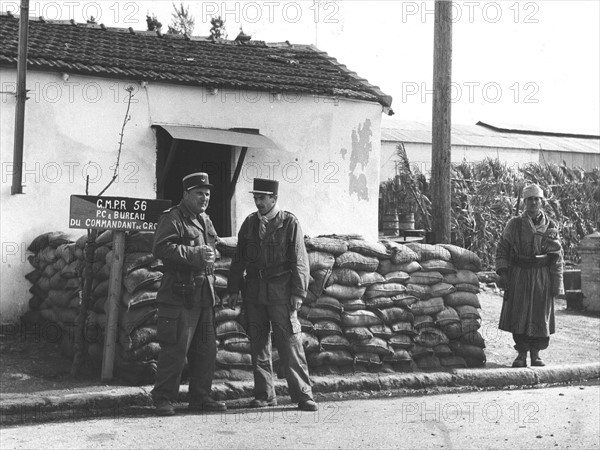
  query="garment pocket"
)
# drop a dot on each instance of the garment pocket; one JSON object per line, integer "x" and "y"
{"x": 166, "y": 328}
{"x": 191, "y": 238}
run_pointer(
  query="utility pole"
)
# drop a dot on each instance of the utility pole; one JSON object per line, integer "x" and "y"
{"x": 17, "y": 177}
{"x": 441, "y": 122}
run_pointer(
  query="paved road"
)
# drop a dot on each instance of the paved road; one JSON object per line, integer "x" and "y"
{"x": 561, "y": 417}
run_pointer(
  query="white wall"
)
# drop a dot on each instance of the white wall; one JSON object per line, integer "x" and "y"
{"x": 72, "y": 129}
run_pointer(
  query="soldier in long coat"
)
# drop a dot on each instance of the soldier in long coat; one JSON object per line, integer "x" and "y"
{"x": 529, "y": 260}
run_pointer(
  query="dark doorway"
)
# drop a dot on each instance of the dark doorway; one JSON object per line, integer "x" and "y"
{"x": 194, "y": 156}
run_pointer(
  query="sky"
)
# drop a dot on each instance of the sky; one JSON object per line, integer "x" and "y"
{"x": 533, "y": 64}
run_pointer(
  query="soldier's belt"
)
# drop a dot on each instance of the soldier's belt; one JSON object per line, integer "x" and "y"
{"x": 267, "y": 273}
{"x": 527, "y": 262}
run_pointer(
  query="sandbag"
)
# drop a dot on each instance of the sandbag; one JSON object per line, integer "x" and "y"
{"x": 356, "y": 261}
{"x": 373, "y": 345}
{"x": 330, "y": 358}
{"x": 426, "y": 252}
{"x": 33, "y": 276}
{"x": 462, "y": 276}
{"x": 39, "y": 242}
{"x": 397, "y": 277}
{"x": 357, "y": 333}
{"x": 353, "y": 305}
{"x": 404, "y": 300}
{"x": 438, "y": 265}
{"x": 430, "y": 306}
{"x": 418, "y": 290}
{"x": 224, "y": 314}
{"x": 473, "y": 338}
{"x": 425, "y": 278}
{"x": 419, "y": 351}
{"x": 360, "y": 318}
{"x": 230, "y": 329}
{"x": 137, "y": 338}
{"x": 99, "y": 304}
{"x": 138, "y": 299}
{"x": 442, "y": 350}
{"x": 381, "y": 331}
{"x": 315, "y": 314}
{"x": 134, "y": 318}
{"x": 57, "y": 281}
{"x": 226, "y": 358}
{"x": 328, "y": 245}
{"x": 342, "y": 292}
{"x": 401, "y": 340}
{"x": 394, "y": 314}
{"x": 310, "y": 343}
{"x": 430, "y": 337}
{"x": 469, "y": 325}
{"x": 237, "y": 344}
{"x": 335, "y": 342}
{"x": 447, "y": 316}
{"x": 319, "y": 279}
{"x": 73, "y": 269}
{"x": 453, "y": 362}
{"x": 379, "y": 302}
{"x": 374, "y": 249}
{"x": 402, "y": 254}
{"x": 35, "y": 302}
{"x": 58, "y": 298}
{"x": 463, "y": 258}
{"x": 384, "y": 290}
{"x": 422, "y": 321}
{"x": 368, "y": 361}
{"x": 320, "y": 260}
{"x": 385, "y": 266}
{"x": 462, "y": 298}
{"x": 369, "y": 278}
{"x": 324, "y": 328}
{"x": 466, "y": 287}
{"x": 398, "y": 355}
{"x": 346, "y": 277}
{"x": 47, "y": 256}
{"x": 141, "y": 278}
{"x": 330, "y": 303}
{"x": 453, "y": 330}
{"x": 306, "y": 325}
{"x": 467, "y": 312}
{"x": 467, "y": 350}
{"x": 441, "y": 289}
{"x": 403, "y": 328}
{"x": 428, "y": 362}
{"x": 66, "y": 316}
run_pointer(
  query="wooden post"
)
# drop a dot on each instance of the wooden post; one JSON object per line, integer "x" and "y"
{"x": 114, "y": 296}
{"x": 17, "y": 177}
{"x": 441, "y": 123}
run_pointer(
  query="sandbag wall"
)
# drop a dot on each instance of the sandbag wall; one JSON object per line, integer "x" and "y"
{"x": 383, "y": 306}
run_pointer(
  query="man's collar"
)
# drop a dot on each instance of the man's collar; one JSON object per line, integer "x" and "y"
{"x": 186, "y": 211}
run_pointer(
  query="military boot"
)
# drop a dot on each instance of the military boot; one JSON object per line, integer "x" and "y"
{"x": 535, "y": 358}
{"x": 520, "y": 360}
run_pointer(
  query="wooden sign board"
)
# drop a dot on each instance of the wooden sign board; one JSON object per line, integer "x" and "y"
{"x": 115, "y": 213}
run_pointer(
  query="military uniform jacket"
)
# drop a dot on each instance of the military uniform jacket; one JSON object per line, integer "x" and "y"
{"x": 177, "y": 242}
{"x": 276, "y": 267}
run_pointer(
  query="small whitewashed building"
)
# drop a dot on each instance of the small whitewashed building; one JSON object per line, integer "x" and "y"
{"x": 235, "y": 109}
{"x": 473, "y": 143}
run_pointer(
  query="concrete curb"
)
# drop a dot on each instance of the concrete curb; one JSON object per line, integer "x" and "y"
{"x": 46, "y": 406}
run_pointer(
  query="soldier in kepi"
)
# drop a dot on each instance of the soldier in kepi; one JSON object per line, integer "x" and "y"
{"x": 271, "y": 251}
{"x": 185, "y": 242}
{"x": 529, "y": 260}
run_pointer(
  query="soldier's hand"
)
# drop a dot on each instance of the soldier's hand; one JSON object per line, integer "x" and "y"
{"x": 296, "y": 303}
{"x": 231, "y": 300}
{"x": 208, "y": 254}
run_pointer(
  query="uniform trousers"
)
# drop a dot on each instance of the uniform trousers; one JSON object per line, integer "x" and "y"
{"x": 287, "y": 338}
{"x": 185, "y": 332}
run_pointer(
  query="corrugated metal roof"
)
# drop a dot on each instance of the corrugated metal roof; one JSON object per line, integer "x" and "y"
{"x": 478, "y": 136}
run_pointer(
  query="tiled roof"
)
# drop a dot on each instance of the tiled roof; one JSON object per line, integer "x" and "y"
{"x": 481, "y": 136}
{"x": 92, "y": 49}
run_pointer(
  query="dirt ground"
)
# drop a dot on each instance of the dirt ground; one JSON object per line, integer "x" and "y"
{"x": 28, "y": 364}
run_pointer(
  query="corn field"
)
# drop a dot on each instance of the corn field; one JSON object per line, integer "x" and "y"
{"x": 485, "y": 195}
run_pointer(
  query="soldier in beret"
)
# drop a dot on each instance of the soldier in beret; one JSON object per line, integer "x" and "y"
{"x": 529, "y": 260}
{"x": 185, "y": 241}
{"x": 272, "y": 254}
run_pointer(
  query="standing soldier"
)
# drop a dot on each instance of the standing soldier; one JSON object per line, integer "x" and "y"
{"x": 271, "y": 250}
{"x": 529, "y": 260}
{"x": 185, "y": 242}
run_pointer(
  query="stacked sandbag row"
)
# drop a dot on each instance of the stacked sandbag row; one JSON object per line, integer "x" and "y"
{"x": 386, "y": 306}
{"x": 233, "y": 344}
{"x": 54, "y": 305}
